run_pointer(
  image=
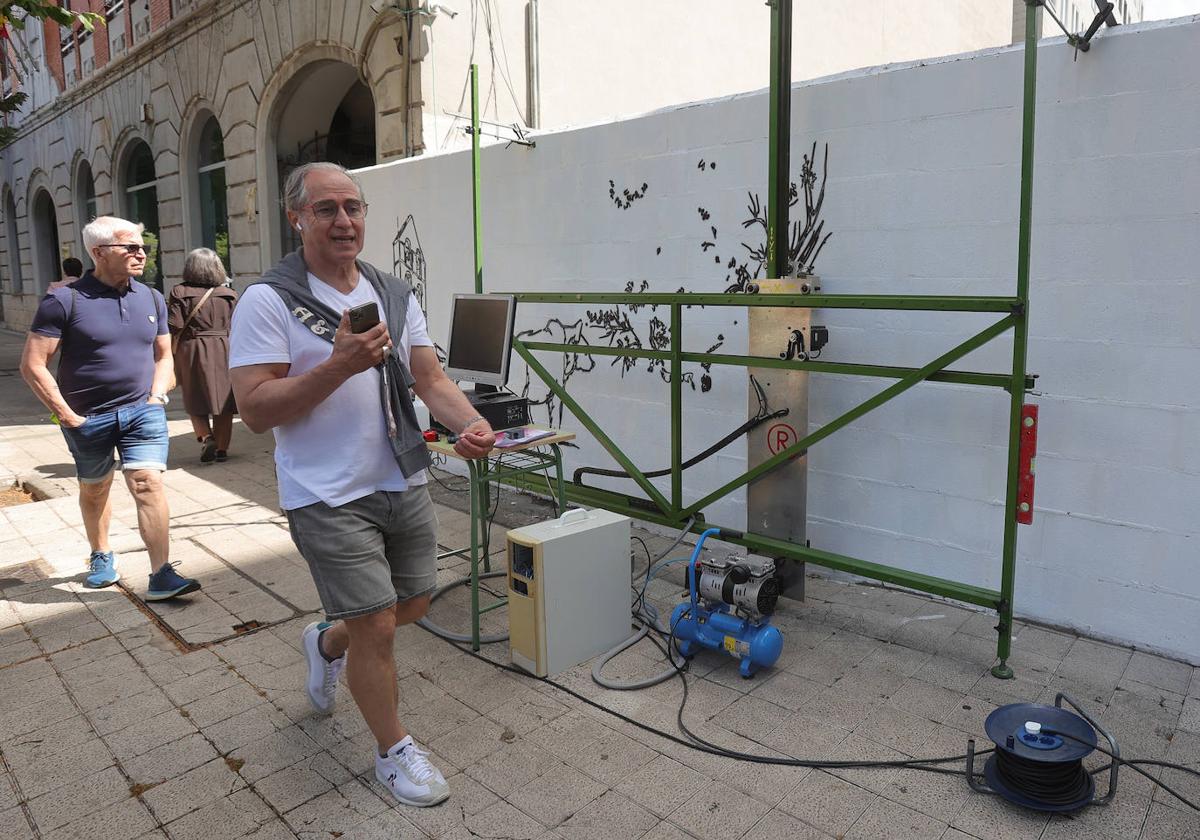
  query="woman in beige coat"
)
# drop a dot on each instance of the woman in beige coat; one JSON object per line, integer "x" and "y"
{"x": 198, "y": 312}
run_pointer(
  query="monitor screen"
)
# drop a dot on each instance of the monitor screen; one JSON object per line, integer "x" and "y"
{"x": 481, "y": 328}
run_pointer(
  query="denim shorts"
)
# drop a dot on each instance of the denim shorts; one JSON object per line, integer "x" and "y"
{"x": 138, "y": 432}
{"x": 370, "y": 553}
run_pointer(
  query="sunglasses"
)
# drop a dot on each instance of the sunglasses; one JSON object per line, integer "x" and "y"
{"x": 326, "y": 211}
{"x": 132, "y": 249}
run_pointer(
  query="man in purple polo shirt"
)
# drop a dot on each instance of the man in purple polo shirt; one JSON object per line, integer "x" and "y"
{"x": 111, "y": 393}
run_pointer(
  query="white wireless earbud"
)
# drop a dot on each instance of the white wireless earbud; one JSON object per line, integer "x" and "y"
{"x": 299, "y": 226}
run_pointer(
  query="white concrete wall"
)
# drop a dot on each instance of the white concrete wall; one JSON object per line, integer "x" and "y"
{"x": 922, "y": 198}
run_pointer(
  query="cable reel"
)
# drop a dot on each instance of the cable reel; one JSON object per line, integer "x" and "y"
{"x": 1038, "y": 761}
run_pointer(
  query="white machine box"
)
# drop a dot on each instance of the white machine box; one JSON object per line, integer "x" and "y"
{"x": 568, "y": 590}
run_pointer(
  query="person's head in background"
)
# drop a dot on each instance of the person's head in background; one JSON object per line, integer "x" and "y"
{"x": 116, "y": 248}
{"x": 72, "y": 267}
{"x": 203, "y": 267}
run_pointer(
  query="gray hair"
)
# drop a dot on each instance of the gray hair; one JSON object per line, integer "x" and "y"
{"x": 203, "y": 268}
{"x": 295, "y": 193}
{"x": 103, "y": 230}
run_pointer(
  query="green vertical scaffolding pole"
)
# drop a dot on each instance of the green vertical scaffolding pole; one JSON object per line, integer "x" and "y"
{"x": 676, "y": 407}
{"x": 475, "y": 178}
{"x": 1016, "y": 387}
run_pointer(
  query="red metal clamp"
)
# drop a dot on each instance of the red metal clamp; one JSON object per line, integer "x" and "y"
{"x": 1026, "y": 461}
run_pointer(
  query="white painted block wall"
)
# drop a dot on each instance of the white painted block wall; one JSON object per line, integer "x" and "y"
{"x": 922, "y": 199}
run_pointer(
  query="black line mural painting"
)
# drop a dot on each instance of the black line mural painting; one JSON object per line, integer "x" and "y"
{"x": 408, "y": 258}
{"x": 615, "y": 326}
{"x": 408, "y": 263}
{"x": 626, "y": 327}
{"x": 627, "y": 197}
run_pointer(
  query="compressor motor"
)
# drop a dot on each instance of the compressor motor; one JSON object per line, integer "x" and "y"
{"x": 729, "y": 609}
{"x": 748, "y": 585}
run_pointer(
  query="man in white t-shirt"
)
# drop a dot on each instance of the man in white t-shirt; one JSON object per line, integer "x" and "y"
{"x": 348, "y": 453}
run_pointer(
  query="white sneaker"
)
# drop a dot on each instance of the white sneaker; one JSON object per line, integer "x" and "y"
{"x": 322, "y": 674}
{"x": 407, "y": 773}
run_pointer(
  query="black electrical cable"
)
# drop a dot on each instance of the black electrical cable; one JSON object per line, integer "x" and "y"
{"x": 639, "y": 602}
{"x": 699, "y": 744}
{"x": 913, "y": 764}
{"x": 748, "y": 426}
{"x": 707, "y": 746}
{"x": 1061, "y": 783}
{"x": 550, "y": 493}
{"x": 1051, "y": 783}
{"x": 1132, "y": 765}
{"x": 464, "y": 488}
{"x": 1182, "y": 768}
{"x": 486, "y": 540}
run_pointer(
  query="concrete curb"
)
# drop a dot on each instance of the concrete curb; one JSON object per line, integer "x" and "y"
{"x": 41, "y": 487}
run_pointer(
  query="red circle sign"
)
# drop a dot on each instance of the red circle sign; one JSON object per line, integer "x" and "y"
{"x": 780, "y": 437}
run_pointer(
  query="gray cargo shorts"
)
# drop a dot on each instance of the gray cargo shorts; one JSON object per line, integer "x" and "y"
{"x": 370, "y": 553}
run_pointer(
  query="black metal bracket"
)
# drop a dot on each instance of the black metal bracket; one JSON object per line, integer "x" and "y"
{"x": 520, "y": 134}
{"x": 978, "y": 787}
{"x": 1082, "y": 43}
{"x": 1112, "y": 742}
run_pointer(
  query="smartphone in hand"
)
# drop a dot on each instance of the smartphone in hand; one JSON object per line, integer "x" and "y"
{"x": 363, "y": 317}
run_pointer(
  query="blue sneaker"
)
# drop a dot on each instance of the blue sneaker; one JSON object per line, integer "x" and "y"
{"x": 167, "y": 583}
{"x": 102, "y": 570}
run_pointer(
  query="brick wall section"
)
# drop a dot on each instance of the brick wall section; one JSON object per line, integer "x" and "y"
{"x": 99, "y": 36}
{"x": 54, "y": 63}
{"x": 160, "y": 14}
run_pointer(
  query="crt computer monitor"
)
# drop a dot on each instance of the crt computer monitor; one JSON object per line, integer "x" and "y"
{"x": 481, "y": 331}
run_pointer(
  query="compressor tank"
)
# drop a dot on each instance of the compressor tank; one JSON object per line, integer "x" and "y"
{"x": 755, "y": 645}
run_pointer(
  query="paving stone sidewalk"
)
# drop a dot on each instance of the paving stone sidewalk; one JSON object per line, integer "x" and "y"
{"x": 190, "y": 720}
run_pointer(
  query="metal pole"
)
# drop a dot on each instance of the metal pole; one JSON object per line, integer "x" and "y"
{"x": 594, "y": 428}
{"x": 801, "y": 446}
{"x": 676, "y": 407}
{"x": 1020, "y": 340}
{"x": 779, "y": 140}
{"x": 533, "y": 66}
{"x": 478, "y": 516}
{"x": 475, "y": 178}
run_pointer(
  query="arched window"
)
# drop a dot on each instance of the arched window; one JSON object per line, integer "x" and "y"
{"x": 140, "y": 188}
{"x": 85, "y": 204}
{"x": 47, "y": 256}
{"x": 210, "y": 176}
{"x": 12, "y": 249}
{"x": 325, "y": 113}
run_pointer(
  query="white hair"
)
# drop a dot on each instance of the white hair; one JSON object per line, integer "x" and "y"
{"x": 295, "y": 191}
{"x": 103, "y": 230}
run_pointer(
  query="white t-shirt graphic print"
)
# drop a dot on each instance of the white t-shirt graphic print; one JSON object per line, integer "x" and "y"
{"x": 339, "y": 452}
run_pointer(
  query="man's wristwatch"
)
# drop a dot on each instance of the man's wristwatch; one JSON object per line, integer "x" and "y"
{"x": 162, "y": 398}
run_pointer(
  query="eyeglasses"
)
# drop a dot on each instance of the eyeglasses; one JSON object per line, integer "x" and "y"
{"x": 131, "y": 248}
{"x": 326, "y": 211}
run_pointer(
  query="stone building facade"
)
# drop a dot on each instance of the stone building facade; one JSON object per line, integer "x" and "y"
{"x": 177, "y": 129}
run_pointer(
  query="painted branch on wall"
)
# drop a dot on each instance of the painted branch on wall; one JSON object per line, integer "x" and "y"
{"x": 615, "y": 326}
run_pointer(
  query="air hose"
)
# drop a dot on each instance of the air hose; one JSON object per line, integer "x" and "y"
{"x": 647, "y": 616}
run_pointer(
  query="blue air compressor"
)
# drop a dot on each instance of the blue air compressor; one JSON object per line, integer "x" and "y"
{"x": 729, "y": 609}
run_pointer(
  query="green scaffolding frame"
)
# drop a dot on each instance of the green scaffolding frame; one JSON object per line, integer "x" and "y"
{"x": 673, "y": 511}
